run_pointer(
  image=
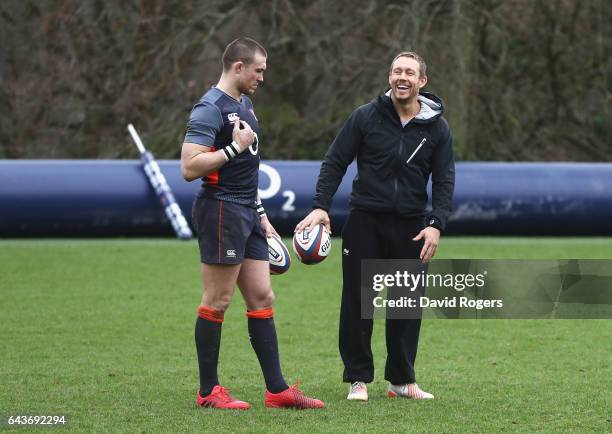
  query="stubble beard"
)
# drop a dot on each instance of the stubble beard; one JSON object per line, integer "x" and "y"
{"x": 413, "y": 93}
{"x": 247, "y": 90}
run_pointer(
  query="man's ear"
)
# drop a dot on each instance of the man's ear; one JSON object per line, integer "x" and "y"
{"x": 237, "y": 67}
{"x": 422, "y": 81}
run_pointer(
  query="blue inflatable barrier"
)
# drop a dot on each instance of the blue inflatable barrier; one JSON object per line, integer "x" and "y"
{"x": 114, "y": 198}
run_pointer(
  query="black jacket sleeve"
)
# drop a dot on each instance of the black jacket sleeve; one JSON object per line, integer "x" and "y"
{"x": 341, "y": 153}
{"x": 442, "y": 178}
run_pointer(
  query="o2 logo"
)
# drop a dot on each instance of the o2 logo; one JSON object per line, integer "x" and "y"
{"x": 274, "y": 188}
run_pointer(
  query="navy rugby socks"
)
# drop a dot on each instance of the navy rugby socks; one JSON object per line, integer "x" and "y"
{"x": 262, "y": 334}
{"x": 208, "y": 341}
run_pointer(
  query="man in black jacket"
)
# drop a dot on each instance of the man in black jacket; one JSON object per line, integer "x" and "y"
{"x": 399, "y": 140}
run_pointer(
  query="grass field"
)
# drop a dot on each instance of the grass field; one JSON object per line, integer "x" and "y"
{"x": 102, "y": 330}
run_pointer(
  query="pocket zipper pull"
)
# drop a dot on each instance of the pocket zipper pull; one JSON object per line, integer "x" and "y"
{"x": 416, "y": 150}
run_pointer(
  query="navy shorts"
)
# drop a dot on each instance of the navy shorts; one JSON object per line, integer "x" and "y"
{"x": 228, "y": 232}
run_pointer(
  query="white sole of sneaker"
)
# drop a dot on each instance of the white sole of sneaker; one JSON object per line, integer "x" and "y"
{"x": 392, "y": 394}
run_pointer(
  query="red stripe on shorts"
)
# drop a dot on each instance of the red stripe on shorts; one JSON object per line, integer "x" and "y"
{"x": 220, "y": 227}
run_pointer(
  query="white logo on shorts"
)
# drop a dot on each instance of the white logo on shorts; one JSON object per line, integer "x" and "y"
{"x": 232, "y": 117}
{"x": 345, "y": 252}
{"x": 230, "y": 253}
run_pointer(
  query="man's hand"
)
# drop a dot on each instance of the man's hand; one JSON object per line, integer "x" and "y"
{"x": 432, "y": 238}
{"x": 267, "y": 226}
{"x": 245, "y": 136}
{"x": 315, "y": 217}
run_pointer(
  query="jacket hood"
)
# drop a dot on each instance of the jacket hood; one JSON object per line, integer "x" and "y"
{"x": 432, "y": 107}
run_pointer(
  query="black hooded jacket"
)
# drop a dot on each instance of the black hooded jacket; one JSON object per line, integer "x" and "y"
{"x": 393, "y": 162}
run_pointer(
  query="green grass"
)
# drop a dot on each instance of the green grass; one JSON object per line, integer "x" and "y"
{"x": 103, "y": 331}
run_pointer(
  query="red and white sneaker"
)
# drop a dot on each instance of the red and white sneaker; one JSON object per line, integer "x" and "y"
{"x": 291, "y": 398}
{"x": 410, "y": 391}
{"x": 220, "y": 398}
{"x": 358, "y": 391}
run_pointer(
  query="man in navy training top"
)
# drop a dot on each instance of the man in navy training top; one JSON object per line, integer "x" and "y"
{"x": 399, "y": 140}
{"x": 221, "y": 147}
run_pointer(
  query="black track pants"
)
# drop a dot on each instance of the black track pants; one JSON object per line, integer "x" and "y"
{"x": 376, "y": 236}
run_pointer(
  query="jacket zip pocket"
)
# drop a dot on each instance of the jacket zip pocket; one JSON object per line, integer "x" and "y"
{"x": 416, "y": 150}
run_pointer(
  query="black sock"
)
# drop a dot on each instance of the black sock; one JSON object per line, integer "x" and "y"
{"x": 263, "y": 339}
{"x": 208, "y": 341}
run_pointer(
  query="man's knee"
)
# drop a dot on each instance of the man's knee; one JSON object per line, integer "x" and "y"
{"x": 220, "y": 305}
{"x": 219, "y": 301}
{"x": 262, "y": 300}
{"x": 269, "y": 298}
{"x": 219, "y": 282}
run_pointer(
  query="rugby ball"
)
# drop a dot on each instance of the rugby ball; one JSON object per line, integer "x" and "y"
{"x": 278, "y": 255}
{"x": 312, "y": 247}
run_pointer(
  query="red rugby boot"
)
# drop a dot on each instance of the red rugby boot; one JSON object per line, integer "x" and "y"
{"x": 220, "y": 398}
{"x": 291, "y": 398}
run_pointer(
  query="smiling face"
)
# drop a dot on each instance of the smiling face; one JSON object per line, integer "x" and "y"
{"x": 250, "y": 75}
{"x": 405, "y": 79}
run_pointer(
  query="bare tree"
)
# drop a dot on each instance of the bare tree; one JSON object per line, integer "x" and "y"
{"x": 523, "y": 80}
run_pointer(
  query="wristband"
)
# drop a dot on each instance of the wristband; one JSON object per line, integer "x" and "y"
{"x": 231, "y": 151}
{"x": 260, "y": 209}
